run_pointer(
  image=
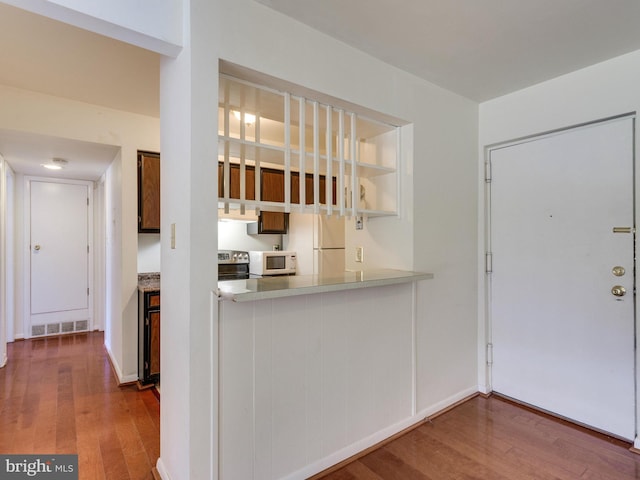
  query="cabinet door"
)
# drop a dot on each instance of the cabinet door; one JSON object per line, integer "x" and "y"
{"x": 273, "y": 222}
{"x": 308, "y": 189}
{"x": 154, "y": 344}
{"x": 149, "y": 338}
{"x": 234, "y": 180}
{"x": 272, "y": 185}
{"x": 148, "y": 192}
{"x": 249, "y": 184}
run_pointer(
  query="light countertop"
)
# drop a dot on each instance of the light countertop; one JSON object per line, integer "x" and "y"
{"x": 287, "y": 286}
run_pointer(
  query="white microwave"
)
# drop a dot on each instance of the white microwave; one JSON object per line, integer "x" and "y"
{"x": 276, "y": 262}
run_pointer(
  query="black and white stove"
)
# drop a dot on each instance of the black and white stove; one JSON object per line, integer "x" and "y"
{"x": 233, "y": 265}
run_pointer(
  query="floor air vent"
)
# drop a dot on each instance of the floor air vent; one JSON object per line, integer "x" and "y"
{"x": 37, "y": 330}
{"x": 57, "y": 328}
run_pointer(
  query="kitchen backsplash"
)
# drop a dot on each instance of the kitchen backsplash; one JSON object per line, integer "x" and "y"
{"x": 233, "y": 236}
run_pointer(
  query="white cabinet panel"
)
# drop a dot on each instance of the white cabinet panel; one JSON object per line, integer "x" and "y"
{"x": 303, "y": 378}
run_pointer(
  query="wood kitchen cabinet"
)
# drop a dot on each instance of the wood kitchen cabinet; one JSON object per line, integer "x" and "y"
{"x": 234, "y": 180}
{"x": 148, "y": 192}
{"x": 149, "y": 337}
{"x": 272, "y": 190}
{"x": 309, "y": 190}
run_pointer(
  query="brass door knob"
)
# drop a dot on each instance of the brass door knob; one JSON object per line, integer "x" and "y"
{"x": 37, "y": 247}
{"x": 618, "y": 291}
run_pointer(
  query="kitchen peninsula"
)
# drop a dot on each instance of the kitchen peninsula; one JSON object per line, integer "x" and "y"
{"x": 288, "y": 286}
{"x": 314, "y": 369}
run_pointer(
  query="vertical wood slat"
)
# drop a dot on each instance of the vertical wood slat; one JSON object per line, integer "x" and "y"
{"x": 341, "y": 196}
{"x": 258, "y": 194}
{"x": 355, "y": 193}
{"x": 243, "y": 172}
{"x": 316, "y": 158}
{"x": 226, "y": 183}
{"x": 329, "y": 172}
{"x": 303, "y": 153}
{"x": 287, "y": 152}
{"x": 398, "y": 164}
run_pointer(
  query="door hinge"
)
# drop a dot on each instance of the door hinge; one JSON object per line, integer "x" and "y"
{"x": 489, "y": 353}
{"x": 488, "y": 262}
{"x": 87, "y": 201}
{"x": 87, "y": 291}
{"x": 487, "y": 172}
{"x": 146, "y": 321}
{"x": 87, "y": 248}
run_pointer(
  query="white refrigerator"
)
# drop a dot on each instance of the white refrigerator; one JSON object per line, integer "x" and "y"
{"x": 319, "y": 242}
{"x": 328, "y": 245}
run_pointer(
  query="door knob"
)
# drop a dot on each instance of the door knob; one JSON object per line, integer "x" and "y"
{"x": 37, "y": 247}
{"x": 618, "y": 291}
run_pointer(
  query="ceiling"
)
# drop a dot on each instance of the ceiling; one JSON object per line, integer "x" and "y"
{"x": 478, "y": 49}
{"x": 46, "y": 56}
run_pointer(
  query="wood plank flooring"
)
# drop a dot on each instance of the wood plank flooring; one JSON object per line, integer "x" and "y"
{"x": 495, "y": 439}
{"x": 59, "y": 395}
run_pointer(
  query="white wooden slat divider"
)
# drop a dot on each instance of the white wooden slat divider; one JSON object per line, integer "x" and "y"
{"x": 355, "y": 193}
{"x": 340, "y": 141}
{"x": 316, "y": 158}
{"x": 303, "y": 153}
{"x": 329, "y": 173}
{"x": 243, "y": 149}
{"x": 287, "y": 152}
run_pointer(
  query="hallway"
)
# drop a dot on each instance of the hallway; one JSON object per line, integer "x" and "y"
{"x": 59, "y": 395}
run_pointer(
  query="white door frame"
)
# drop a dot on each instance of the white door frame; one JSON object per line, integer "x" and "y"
{"x": 485, "y": 383}
{"x": 27, "y": 247}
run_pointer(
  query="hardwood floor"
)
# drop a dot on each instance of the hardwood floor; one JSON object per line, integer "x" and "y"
{"x": 59, "y": 395}
{"x": 494, "y": 439}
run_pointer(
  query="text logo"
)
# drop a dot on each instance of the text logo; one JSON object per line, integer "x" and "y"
{"x": 51, "y": 467}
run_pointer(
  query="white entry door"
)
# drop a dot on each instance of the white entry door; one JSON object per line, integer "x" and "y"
{"x": 60, "y": 273}
{"x": 562, "y": 339}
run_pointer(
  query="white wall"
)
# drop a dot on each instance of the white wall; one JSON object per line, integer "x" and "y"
{"x": 58, "y": 117}
{"x": 600, "y": 91}
{"x": 441, "y": 235}
{"x": 148, "y": 252}
{"x": 233, "y": 236}
{"x": 3, "y": 264}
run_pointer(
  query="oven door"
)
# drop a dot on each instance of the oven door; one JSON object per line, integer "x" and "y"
{"x": 233, "y": 271}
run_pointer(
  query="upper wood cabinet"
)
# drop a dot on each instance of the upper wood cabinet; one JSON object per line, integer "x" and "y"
{"x": 234, "y": 181}
{"x": 148, "y": 192}
{"x": 267, "y": 129}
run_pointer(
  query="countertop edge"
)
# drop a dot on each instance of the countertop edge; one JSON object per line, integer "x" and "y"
{"x": 324, "y": 287}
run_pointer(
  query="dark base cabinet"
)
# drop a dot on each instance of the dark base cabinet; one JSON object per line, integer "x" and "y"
{"x": 149, "y": 338}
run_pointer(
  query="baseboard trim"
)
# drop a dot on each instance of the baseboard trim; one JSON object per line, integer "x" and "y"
{"x": 160, "y": 471}
{"x": 362, "y": 447}
{"x": 121, "y": 379}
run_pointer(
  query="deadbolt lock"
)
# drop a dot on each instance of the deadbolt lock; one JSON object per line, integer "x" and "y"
{"x": 618, "y": 271}
{"x": 618, "y": 291}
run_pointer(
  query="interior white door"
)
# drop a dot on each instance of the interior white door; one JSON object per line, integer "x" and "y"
{"x": 59, "y": 256}
{"x": 562, "y": 341}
